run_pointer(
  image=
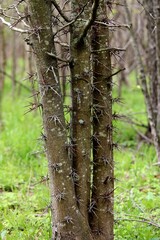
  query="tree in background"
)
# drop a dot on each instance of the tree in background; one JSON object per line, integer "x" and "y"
{"x": 150, "y": 91}
{"x": 2, "y": 67}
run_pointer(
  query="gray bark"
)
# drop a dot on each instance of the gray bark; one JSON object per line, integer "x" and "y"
{"x": 81, "y": 110}
{"x": 66, "y": 219}
{"x": 103, "y": 179}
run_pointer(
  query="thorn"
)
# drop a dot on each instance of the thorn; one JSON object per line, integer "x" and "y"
{"x": 68, "y": 219}
{"x": 56, "y": 166}
{"x": 74, "y": 175}
{"x": 117, "y": 100}
{"x": 43, "y": 137}
{"x": 60, "y": 196}
{"x": 108, "y": 179}
{"x": 116, "y": 146}
{"x": 33, "y": 106}
{"x": 107, "y": 195}
{"x": 116, "y": 116}
{"x": 92, "y": 207}
{"x": 98, "y": 231}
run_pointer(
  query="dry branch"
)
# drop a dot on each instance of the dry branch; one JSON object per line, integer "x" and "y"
{"x": 60, "y": 11}
{"x": 144, "y": 220}
{"x": 8, "y": 24}
{"x": 91, "y": 20}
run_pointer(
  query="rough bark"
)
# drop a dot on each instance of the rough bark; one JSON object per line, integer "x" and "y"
{"x": 81, "y": 109}
{"x": 103, "y": 181}
{"x": 67, "y": 221}
{"x": 69, "y": 157}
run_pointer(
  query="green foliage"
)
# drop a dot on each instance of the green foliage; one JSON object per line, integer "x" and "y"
{"x": 24, "y": 196}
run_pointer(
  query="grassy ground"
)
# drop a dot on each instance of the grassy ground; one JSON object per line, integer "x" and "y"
{"x": 24, "y": 194}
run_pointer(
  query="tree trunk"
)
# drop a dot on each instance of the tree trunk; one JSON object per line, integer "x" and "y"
{"x": 81, "y": 110}
{"x": 67, "y": 221}
{"x": 151, "y": 53}
{"x": 103, "y": 180}
{"x": 144, "y": 87}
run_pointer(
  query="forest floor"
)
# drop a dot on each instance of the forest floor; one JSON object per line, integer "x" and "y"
{"x": 24, "y": 191}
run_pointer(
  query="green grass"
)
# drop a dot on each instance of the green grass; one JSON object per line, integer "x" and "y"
{"x": 137, "y": 195}
{"x": 24, "y": 196}
{"x": 23, "y": 200}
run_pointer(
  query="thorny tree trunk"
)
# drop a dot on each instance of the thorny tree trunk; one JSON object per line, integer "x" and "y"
{"x": 81, "y": 203}
{"x": 68, "y": 222}
{"x": 81, "y": 112}
{"x": 69, "y": 162}
{"x": 103, "y": 181}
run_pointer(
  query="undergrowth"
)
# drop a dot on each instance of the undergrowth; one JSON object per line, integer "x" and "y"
{"x": 24, "y": 190}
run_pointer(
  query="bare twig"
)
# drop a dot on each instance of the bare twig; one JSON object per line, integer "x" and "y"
{"x": 134, "y": 122}
{"x": 144, "y": 136}
{"x": 58, "y": 58}
{"x": 16, "y": 5}
{"x": 20, "y": 18}
{"x": 111, "y": 49}
{"x": 71, "y": 22}
{"x": 62, "y": 43}
{"x": 60, "y": 11}
{"x": 21, "y": 84}
{"x": 146, "y": 10}
{"x": 114, "y": 25}
{"x": 143, "y": 220}
{"x": 90, "y": 21}
{"x": 8, "y": 24}
{"x": 113, "y": 74}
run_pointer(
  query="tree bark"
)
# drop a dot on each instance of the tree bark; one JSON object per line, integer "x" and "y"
{"x": 67, "y": 221}
{"x": 81, "y": 110}
{"x": 103, "y": 181}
